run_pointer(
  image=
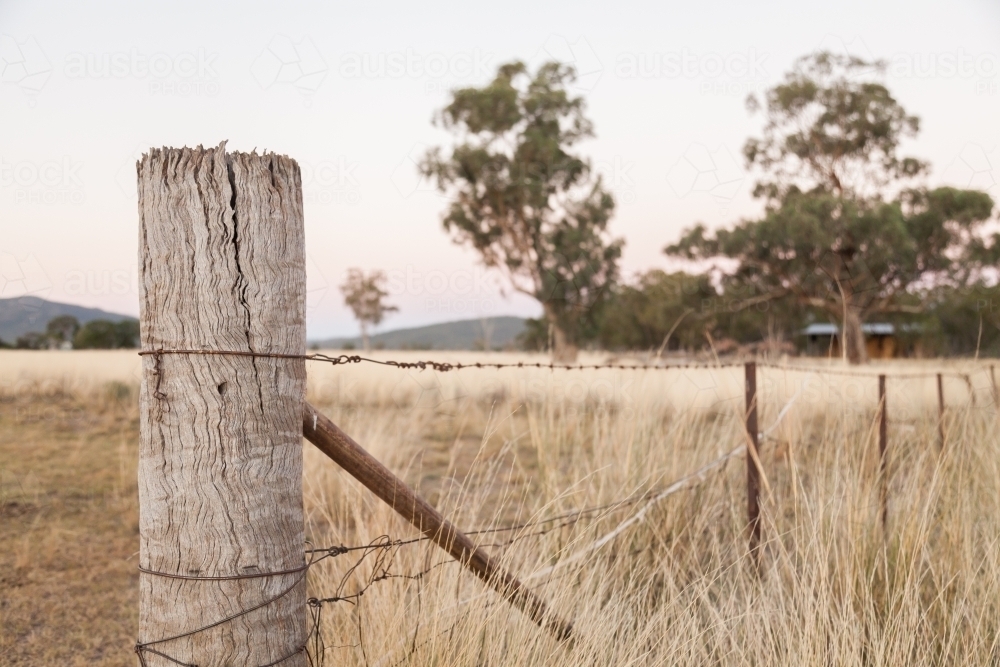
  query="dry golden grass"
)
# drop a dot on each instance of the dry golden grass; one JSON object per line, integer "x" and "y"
{"x": 495, "y": 448}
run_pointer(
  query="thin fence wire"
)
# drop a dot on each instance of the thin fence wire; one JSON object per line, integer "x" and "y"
{"x": 381, "y": 552}
{"x": 386, "y": 549}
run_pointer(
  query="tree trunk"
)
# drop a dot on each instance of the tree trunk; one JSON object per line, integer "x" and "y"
{"x": 563, "y": 343}
{"x": 854, "y": 338}
{"x": 366, "y": 343}
{"x": 222, "y": 260}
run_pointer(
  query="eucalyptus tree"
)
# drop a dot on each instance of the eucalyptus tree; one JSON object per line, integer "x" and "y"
{"x": 522, "y": 198}
{"x": 365, "y": 294}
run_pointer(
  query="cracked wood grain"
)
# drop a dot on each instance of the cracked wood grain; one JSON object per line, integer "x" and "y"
{"x": 222, "y": 266}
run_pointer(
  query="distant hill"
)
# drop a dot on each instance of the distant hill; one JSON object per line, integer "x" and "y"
{"x": 22, "y": 314}
{"x": 477, "y": 334}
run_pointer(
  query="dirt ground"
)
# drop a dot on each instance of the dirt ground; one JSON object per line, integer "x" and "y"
{"x": 69, "y": 529}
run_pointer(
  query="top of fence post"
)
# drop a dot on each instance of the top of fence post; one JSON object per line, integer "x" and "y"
{"x": 222, "y": 262}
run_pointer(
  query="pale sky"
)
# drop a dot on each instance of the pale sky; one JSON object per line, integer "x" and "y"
{"x": 349, "y": 90}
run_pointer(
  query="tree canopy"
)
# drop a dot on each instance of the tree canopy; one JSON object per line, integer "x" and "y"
{"x": 62, "y": 328}
{"x": 96, "y": 334}
{"x": 105, "y": 335}
{"x": 531, "y": 208}
{"x": 829, "y": 126}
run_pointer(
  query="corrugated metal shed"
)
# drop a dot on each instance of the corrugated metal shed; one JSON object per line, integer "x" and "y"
{"x": 828, "y": 329}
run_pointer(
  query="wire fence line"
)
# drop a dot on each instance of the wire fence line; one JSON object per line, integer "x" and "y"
{"x": 382, "y": 550}
{"x": 447, "y": 366}
{"x": 380, "y": 553}
{"x": 386, "y": 548}
{"x": 381, "y": 571}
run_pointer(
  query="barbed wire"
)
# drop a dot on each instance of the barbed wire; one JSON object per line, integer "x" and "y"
{"x": 441, "y": 366}
{"x": 447, "y": 366}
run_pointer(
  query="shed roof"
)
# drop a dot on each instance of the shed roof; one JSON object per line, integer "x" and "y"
{"x": 820, "y": 329}
{"x": 829, "y": 329}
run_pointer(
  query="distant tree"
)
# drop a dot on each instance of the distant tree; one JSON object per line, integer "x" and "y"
{"x": 658, "y": 311}
{"x": 61, "y": 329}
{"x": 738, "y": 315}
{"x": 96, "y": 334}
{"x": 365, "y": 295}
{"x": 844, "y": 230}
{"x": 962, "y": 321}
{"x": 33, "y": 340}
{"x": 128, "y": 333}
{"x": 518, "y": 196}
{"x": 535, "y": 337}
{"x": 105, "y": 335}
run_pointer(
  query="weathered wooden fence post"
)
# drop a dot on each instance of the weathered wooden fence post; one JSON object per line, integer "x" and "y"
{"x": 972, "y": 389}
{"x": 993, "y": 385}
{"x": 883, "y": 422}
{"x": 940, "y": 389}
{"x": 753, "y": 460}
{"x": 222, "y": 261}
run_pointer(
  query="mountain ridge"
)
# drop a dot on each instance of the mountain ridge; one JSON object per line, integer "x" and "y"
{"x": 492, "y": 333}
{"x": 23, "y": 314}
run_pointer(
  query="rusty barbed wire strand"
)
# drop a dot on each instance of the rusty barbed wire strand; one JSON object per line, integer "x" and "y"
{"x": 440, "y": 366}
{"x": 446, "y": 366}
{"x": 231, "y": 577}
